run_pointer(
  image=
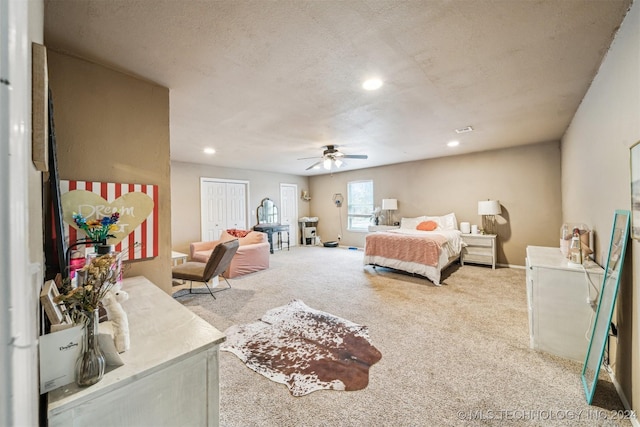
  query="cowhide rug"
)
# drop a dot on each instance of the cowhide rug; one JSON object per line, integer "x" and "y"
{"x": 305, "y": 349}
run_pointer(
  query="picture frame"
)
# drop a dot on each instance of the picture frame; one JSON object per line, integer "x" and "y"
{"x": 635, "y": 190}
{"x": 55, "y": 313}
{"x": 137, "y": 235}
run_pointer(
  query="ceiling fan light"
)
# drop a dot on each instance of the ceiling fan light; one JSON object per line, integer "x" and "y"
{"x": 372, "y": 84}
{"x": 338, "y": 162}
{"x": 327, "y": 164}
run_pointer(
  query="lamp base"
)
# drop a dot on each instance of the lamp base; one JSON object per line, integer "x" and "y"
{"x": 489, "y": 224}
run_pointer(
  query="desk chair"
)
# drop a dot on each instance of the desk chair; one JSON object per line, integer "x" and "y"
{"x": 203, "y": 272}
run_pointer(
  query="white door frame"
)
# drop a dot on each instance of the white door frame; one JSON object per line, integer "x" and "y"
{"x": 222, "y": 180}
{"x": 293, "y": 226}
{"x": 20, "y": 279}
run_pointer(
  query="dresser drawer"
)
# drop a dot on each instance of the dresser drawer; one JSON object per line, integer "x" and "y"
{"x": 477, "y": 241}
{"x": 478, "y": 258}
{"x": 477, "y": 250}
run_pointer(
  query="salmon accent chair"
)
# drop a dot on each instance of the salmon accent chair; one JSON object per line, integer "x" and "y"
{"x": 251, "y": 256}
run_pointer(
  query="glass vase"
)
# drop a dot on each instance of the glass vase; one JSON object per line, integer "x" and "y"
{"x": 91, "y": 363}
{"x": 100, "y": 250}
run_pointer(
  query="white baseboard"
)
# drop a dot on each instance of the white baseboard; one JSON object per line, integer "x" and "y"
{"x": 623, "y": 398}
{"x": 522, "y": 267}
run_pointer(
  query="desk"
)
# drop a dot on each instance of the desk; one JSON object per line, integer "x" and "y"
{"x": 270, "y": 229}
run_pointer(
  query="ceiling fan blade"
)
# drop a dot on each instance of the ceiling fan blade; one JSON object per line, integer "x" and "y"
{"x": 315, "y": 164}
{"x": 310, "y": 158}
{"x": 355, "y": 156}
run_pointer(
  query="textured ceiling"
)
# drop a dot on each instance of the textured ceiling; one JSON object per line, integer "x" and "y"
{"x": 268, "y": 82}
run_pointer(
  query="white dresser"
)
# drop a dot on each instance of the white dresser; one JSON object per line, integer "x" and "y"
{"x": 169, "y": 377}
{"x": 559, "y": 312}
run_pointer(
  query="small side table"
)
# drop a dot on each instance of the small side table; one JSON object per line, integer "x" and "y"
{"x": 479, "y": 249}
{"x": 178, "y": 257}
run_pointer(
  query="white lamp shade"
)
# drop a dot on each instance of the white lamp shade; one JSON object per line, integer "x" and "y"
{"x": 389, "y": 204}
{"x": 489, "y": 207}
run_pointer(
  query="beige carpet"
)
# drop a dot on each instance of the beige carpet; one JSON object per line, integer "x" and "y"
{"x": 450, "y": 353}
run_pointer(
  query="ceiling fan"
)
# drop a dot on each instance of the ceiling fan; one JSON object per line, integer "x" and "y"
{"x": 331, "y": 156}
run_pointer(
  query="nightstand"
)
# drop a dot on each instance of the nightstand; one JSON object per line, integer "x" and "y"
{"x": 479, "y": 249}
{"x": 382, "y": 227}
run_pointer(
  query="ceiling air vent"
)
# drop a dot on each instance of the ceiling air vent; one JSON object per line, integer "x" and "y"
{"x": 464, "y": 129}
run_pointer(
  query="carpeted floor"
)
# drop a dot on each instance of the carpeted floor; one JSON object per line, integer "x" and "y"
{"x": 451, "y": 355}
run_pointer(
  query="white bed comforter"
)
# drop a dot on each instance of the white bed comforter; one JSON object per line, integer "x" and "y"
{"x": 450, "y": 250}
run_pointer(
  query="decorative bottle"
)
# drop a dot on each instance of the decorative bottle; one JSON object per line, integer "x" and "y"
{"x": 575, "y": 250}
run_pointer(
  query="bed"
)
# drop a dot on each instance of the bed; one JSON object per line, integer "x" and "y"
{"x": 423, "y": 245}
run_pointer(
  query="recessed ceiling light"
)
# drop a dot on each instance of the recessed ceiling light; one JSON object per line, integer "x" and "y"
{"x": 453, "y": 143}
{"x": 372, "y": 84}
{"x": 209, "y": 151}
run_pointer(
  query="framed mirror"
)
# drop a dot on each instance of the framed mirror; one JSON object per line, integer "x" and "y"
{"x": 267, "y": 212}
{"x": 606, "y": 303}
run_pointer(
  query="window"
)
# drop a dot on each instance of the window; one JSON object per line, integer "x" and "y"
{"x": 360, "y": 205}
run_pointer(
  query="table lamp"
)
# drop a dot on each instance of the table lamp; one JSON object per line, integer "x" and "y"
{"x": 389, "y": 205}
{"x": 489, "y": 209}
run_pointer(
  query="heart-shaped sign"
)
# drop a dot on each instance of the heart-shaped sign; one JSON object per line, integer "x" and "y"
{"x": 133, "y": 208}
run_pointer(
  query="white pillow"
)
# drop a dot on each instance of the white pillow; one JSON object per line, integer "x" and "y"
{"x": 449, "y": 221}
{"x": 411, "y": 223}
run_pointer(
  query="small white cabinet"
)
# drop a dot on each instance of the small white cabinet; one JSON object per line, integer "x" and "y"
{"x": 558, "y": 298}
{"x": 479, "y": 249}
{"x": 309, "y": 229}
{"x": 169, "y": 376}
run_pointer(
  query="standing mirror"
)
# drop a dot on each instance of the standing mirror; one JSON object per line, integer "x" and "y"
{"x": 267, "y": 212}
{"x": 606, "y": 303}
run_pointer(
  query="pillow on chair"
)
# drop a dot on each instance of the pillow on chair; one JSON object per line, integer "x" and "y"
{"x": 225, "y": 237}
{"x": 238, "y": 233}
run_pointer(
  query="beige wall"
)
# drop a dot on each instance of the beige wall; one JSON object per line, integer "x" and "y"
{"x": 185, "y": 185}
{"x": 526, "y": 180}
{"x": 596, "y": 181}
{"x": 112, "y": 127}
